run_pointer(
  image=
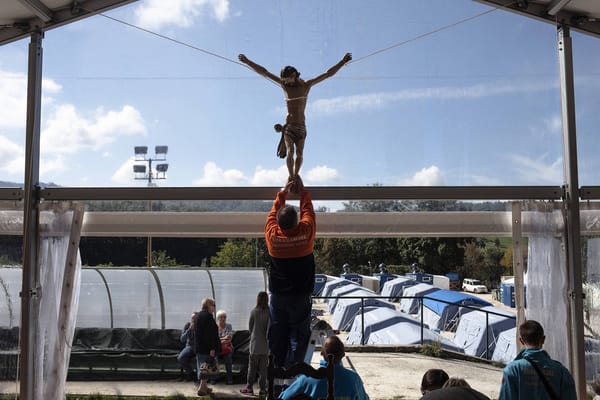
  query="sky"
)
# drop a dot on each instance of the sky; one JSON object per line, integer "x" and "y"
{"x": 430, "y": 99}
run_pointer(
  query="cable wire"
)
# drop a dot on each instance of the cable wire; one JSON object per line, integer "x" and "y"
{"x": 424, "y": 35}
{"x": 442, "y": 28}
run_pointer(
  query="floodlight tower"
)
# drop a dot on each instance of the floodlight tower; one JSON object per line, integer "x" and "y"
{"x": 145, "y": 172}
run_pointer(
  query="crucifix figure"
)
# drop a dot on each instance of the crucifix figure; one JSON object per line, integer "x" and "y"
{"x": 296, "y": 92}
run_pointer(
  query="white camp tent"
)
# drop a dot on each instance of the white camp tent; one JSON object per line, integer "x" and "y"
{"x": 393, "y": 289}
{"x": 347, "y": 309}
{"x": 411, "y": 305}
{"x": 346, "y": 290}
{"x": 375, "y": 318}
{"x": 441, "y": 308}
{"x": 472, "y": 335}
{"x": 408, "y": 333}
{"x": 333, "y": 284}
{"x": 506, "y": 346}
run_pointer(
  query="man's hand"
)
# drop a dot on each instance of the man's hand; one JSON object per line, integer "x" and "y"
{"x": 289, "y": 186}
{"x": 299, "y": 185}
{"x": 244, "y": 59}
{"x": 347, "y": 57}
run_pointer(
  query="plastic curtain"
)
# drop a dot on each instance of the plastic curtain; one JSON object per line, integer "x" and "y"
{"x": 546, "y": 279}
{"x": 56, "y": 323}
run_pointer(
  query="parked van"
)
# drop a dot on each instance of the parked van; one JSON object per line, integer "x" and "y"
{"x": 473, "y": 285}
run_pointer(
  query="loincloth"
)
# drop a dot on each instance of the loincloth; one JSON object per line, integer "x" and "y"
{"x": 296, "y": 132}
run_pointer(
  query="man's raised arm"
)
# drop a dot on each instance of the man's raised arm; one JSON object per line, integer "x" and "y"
{"x": 331, "y": 71}
{"x": 259, "y": 69}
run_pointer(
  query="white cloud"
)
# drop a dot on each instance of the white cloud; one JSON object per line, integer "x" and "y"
{"x": 553, "y": 124}
{"x": 269, "y": 177}
{"x": 480, "y": 180}
{"x": 13, "y": 97}
{"x": 12, "y": 156}
{"x": 13, "y": 160}
{"x": 369, "y": 101}
{"x": 321, "y": 174}
{"x": 66, "y": 131}
{"x": 537, "y": 171}
{"x": 155, "y": 14}
{"x": 124, "y": 174}
{"x": 213, "y": 175}
{"x": 216, "y": 176}
{"x": 53, "y": 164}
{"x": 431, "y": 176}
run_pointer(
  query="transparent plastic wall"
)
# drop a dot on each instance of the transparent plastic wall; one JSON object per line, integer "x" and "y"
{"x": 10, "y": 302}
{"x": 147, "y": 298}
{"x": 590, "y": 221}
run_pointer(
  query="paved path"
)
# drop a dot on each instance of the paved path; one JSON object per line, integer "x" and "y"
{"x": 386, "y": 376}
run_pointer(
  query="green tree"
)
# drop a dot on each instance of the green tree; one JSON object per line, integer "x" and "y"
{"x": 161, "y": 259}
{"x": 507, "y": 261}
{"x": 493, "y": 269}
{"x": 473, "y": 262}
{"x": 331, "y": 254}
{"x": 240, "y": 253}
{"x": 434, "y": 255}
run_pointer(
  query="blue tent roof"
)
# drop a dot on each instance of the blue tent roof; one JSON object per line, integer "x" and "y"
{"x": 452, "y": 298}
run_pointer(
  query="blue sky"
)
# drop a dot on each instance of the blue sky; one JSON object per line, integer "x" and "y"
{"x": 475, "y": 104}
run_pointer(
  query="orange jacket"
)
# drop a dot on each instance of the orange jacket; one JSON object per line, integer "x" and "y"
{"x": 295, "y": 242}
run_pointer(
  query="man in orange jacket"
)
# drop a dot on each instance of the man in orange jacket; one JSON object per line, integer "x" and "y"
{"x": 290, "y": 242}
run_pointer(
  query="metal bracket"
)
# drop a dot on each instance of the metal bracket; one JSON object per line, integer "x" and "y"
{"x": 75, "y": 7}
{"x": 31, "y": 293}
{"x": 573, "y": 295}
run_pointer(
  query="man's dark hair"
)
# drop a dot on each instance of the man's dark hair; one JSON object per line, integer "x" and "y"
{"x": 433, "y": 379}
{"x": 287, "y": 217}
{"x": 334, "y": 346}
{"x": 288, "y": 71}
{"x": 531, "y": 332}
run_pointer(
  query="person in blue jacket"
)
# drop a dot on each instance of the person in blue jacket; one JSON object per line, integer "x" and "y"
{"x": 520, "y": 380}
{"x": 347, "y": 383}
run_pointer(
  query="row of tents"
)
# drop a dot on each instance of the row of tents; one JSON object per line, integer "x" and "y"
{"x": 407, "y": 312}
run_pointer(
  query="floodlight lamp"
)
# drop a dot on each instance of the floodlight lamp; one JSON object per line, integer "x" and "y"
{"x": 162, "y": 167}
{"x": 140, "y": 152}
{"x": 161, "y": 149}
{"x": 139, "y": 169}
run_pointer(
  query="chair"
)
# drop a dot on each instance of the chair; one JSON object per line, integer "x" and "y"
{"x": 300, "y": 369}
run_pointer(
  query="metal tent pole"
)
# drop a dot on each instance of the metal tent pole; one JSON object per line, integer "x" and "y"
{"x": 30, "y": 291}
{"x": 571, "y": 204}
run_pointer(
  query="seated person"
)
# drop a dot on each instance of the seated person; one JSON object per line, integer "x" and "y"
{"x": 455, "y": 389}
{"x": 187, "y": 358}
{"x": 347, "y": 383}
{"x": 225, "y": 336}
{"x": 433, "y": 379}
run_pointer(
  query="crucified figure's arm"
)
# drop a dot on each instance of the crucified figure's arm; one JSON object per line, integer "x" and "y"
{"x": 259, "y": 69}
